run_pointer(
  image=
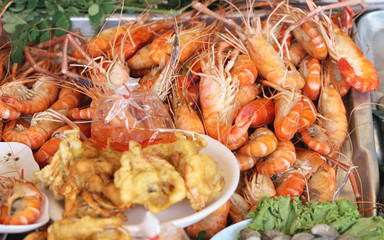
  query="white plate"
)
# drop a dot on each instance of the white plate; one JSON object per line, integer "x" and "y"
{"x": 231, "y": 232}
{"x": 9, "y": 168}
{"x": 181, "y": 214}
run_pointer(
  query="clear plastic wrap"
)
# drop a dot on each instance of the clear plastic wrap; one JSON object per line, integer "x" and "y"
{"x": 122, "y": 116}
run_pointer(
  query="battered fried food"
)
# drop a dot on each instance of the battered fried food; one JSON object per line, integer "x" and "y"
{"x": 149, "y": 180}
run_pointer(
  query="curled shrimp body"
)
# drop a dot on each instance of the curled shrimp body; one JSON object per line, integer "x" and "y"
{"x": 141, "y": 59}
{"x": 68, "y": 99}
{"x": 245, "y": 162}
{"x": 354, "y": 67}
{"x": 322, "y": 185}
{"x": 34, "y": 136}
{"x": 332, "y": 108}
{"x": 244, "y": 70}
{"x": 49, "y": 148}
{"x": 238, "y": 133}
{"x": 311, "y": 40}
{"x": 316, "y": 139}
{"x": 308, "y": 162}
{"x": 22, "y": 206}
{"x": 308, "y": 115}
{"x": 261, "y": 110}
{"x": 288, "y": 108}
{"x": 37, "y": 99}
{"x": 212, "y": 224}
{"x": 309, "y": 68}
{"x": 262, "y": 142}
{"x": 247, "y": 93}
{"x": 290, "y": 183}
{"x": 279, "y": 160}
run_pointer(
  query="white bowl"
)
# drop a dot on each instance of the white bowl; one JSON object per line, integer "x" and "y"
{"x": 231, "y": 232}
{"x": 181, "y": 214}
{"x": 9, "y": 168}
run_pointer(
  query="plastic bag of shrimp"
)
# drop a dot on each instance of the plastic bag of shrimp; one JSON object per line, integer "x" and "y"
{"x": 122, "y": 116}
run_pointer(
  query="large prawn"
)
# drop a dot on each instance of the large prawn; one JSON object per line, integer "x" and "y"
{"x": 23, "y": 204}
{"x": 42, "y": 94}
{"x": 332, "y": 108}
{"x": 217, "y": 93}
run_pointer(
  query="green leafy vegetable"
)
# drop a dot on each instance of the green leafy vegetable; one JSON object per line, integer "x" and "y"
{"x": 292, "y": 217}
{"x": 37, "y": 20}
{"x": 367, "y": 229}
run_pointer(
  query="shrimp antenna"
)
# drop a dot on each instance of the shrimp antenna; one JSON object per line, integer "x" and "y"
{"x": 344, "y": 183}
{"x": 200, "y": 7}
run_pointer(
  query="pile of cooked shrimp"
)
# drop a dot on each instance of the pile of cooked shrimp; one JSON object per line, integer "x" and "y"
{"x": 270, "y": 89}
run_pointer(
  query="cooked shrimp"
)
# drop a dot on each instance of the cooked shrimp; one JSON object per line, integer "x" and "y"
{"x": 238, "y": 133}
{"x": 33, "y": 136}
{"x": 245, "y": 162}
{"x": 279, "y": 160}
{"x": 308, "y": 162}
{"x": 22, "y": 206}
{"x": 43, "y": 93}
{"x": 316, "y": 139}
{"x": 308, "y": 115}
{"x": 309, "y": 68}
{"x": 185, "y": 116}
{"x": 217, "y": 93}
{"x": 267, "y": 61}
{"x": 257, "y": 187}
{"x": 49, "y": 148}
{"x": 239, "y": 208}
{"x": 354, "y": 67}
{"x": 271, "y": 66}
{"x": 262, "y": 111}
{"x": 262, "y": 142}
{"x": 311, "y": 40}
{"x": 141, "y": 59}
{"x": 122, "y": 40}
{"x": 214, "y": 223}
{"x": 322, "y": 185}
{"x": 7, "y": 112}
{"x": 306, "y": 33}
{"x": 341, "y": 85}
{"x": 244, "y": 70}
{"x": 288, "y": 108}
{"x": 68, "y": 99}
{"x": 290, "y": 183}
{"x": 85, "y": 113}
{"x": 332, "y": 108}
{"x": 247, "y": 93}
